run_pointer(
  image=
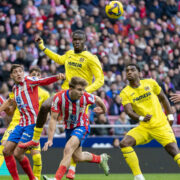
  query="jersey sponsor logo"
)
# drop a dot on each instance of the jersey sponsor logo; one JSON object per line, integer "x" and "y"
{"x": 142, "y": 97}
{"x": 19, "y": 102}
{"x": 75, "y": 64}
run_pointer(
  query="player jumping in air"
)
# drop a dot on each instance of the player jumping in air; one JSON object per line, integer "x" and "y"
{"x": 26, "y": 99}
{"x": 71, "y": 106}
{"x": 77, "y": 62}
{"x": 142, "y": 101}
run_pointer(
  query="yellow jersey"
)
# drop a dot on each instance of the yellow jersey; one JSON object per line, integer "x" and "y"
{"x": 84, "y": 65}
{"x": 43, "y": 96}
{"x": 144, "y": 100}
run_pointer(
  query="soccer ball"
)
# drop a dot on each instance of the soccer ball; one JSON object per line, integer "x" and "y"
{"x": 114, "y": 9}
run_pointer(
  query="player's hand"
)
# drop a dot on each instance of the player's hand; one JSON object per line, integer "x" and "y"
{"x": 175, "y": 98}
{"x": 61, "y": 76}
{"x": 147, "y": 118}
{"x": 47, "y": 145}
{"x": 98, "y": 110}
{"x": 40, "y": 42}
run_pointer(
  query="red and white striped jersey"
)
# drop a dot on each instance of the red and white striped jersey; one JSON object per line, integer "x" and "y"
{"x": 1, "y": 100}
{"x": 73, "y": 113}
{"x": 26, "y": 97}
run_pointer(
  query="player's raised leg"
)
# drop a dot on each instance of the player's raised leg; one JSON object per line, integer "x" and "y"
{"x": 131, "y": 157}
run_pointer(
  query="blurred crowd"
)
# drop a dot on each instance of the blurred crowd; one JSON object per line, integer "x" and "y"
{"x": 147, "y": 34}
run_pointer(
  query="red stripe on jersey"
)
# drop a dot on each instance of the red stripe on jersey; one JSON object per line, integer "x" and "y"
{"x": 1, "y": 100}
{"x": 73, "y": 112}
{"x": 26, "y": 122}
{"x": 80, "y": 113}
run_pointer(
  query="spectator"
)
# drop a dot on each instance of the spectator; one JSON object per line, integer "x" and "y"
{"x": 101, "y": 119}
{"x": 122, "y": 120}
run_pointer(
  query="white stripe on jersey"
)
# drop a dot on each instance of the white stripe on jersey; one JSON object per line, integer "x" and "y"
{"x": 77, "y": 111}
{"x": 69, "y": 120}
{"x": 30, "y": 103}
{"x": 55, "y": 105}
{"x": 24, "y": 108}
{"x": 84, "y": 105}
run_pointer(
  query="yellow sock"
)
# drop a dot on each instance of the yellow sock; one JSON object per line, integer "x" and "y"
{"x": 37, "y": 165}
{"x": 72, "y": 165}
{"x": 177, "y": 159}
{"x": 37, "y": 133}
{"x": 132, "y": 160}
{"x": 1, "y": 155}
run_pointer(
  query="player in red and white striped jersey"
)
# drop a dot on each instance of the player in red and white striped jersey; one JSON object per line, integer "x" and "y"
{"x": 71, "y": 105}
{"x": 73, "y": 113}
{"x": 26, "y": 99}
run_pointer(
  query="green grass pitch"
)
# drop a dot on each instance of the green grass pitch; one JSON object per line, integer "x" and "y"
{"x": 111, "y": 177}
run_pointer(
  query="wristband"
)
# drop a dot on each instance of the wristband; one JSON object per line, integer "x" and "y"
{"x": 141, "y": 118}
{"x": 170, "y": 117}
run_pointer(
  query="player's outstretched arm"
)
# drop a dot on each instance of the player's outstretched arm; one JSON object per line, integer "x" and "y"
{"x": 101, "y": 108}
{"x": 166, "y": 105}
{"x": 55, "y": 57}
{"x": 51, "y": 130}
{"x": 175, "y": 98}
{"x": 47, "y": 80}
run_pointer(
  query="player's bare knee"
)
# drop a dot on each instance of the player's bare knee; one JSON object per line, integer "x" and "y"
{"x": 7, "y": 152}
{"x": 68, "y": 150}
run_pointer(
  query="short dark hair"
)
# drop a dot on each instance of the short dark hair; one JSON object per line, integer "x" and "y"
{"x": 37, "y": 69}
{"x": 14, "y": 66}
{"x": 77, "y": 81}
{"x": 133, "y": 64}
{"x": 79, "y": 32}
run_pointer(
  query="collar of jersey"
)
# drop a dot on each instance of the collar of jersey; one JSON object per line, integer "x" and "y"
{"x": 69, "y": 97}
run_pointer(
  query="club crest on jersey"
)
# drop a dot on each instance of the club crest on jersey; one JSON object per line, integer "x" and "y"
{"x": 81, "y": 59}
{"x": 147, "y": 88}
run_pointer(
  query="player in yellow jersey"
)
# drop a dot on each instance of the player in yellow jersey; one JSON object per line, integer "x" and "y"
{"x": 35, "y": 152}
{"x": 77, "y": 62}
{"x": 142, "y": 101}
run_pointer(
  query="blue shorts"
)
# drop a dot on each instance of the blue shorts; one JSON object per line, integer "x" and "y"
{"x": 22, "y": 134}
{"x": 80, "y": 132}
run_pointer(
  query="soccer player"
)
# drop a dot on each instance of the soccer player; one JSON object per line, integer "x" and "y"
{"x": 35, "y": 152}
{"x": 26, "y": 99}
{"x": 142, "y": 101}
{"x": 77, "y": 62}
{"x": 71, "y": 106}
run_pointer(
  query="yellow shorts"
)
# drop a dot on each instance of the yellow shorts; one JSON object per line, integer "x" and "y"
{"x": 8, "y": 131}
{"x": 163, "y": 134}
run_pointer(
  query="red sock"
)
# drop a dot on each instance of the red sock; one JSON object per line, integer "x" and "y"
{"x": 60, "y": 172}
{"x": 11, "y": 165}
{"x": 27, "y": 168}
{"x": 95, "y": 159}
